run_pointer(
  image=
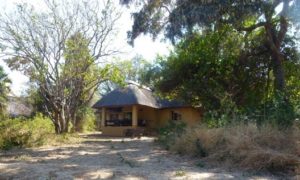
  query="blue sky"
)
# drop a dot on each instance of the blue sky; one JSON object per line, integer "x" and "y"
{"x": 144, "y": 45}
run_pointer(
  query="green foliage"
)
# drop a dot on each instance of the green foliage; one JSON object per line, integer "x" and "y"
{"x": 227, "y": 114}
{"x": 33, "y": 132}
{"x": 25, "y": 132}
{"x": 62, "y": 55}
{"x": 210, "y": 69}
{"x": 222, "y": 50}
{"x": 88, "y": 122}
{"x": 169, "y": 133}
{"x": 179, "y": 18}
{"x": 4, "y": 89}
{"x": 133, "y": 69}
{"x": 82, "y": 77}
{"x": 277, "y": 111}
{"x": 232, "y": 84}
{"x": 34, "y": 98}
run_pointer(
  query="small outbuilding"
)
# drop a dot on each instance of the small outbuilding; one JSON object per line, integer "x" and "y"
{"x": 136, "y": 107}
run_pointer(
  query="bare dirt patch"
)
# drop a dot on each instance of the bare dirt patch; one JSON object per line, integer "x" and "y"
{"x": 100, "y": 157}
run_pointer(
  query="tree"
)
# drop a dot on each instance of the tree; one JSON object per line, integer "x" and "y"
{"x": 133, "y": 69}
{"x": 212, "y": 71}
{"x": 47, "y": 46}
{"x": 4, "y": 90}
{"x": 179, "y": 18}
{"x": 204, "y": 69}
{"x": 81, "y": 78}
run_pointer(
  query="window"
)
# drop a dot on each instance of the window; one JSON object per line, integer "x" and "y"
{"x": 175, "y": 116}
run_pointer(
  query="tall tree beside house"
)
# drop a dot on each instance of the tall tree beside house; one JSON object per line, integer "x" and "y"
{"x": 4, "y": 90}
{"x": 179, "y": 18}
{"x": 212, "y": 71}
{"x": 82, "y": 77}
{"x": 271, "y": 20}
{"x": 42, "y": 45}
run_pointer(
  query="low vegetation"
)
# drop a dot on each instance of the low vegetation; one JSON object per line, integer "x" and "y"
{"x": 240, "y": 146}
{"x": 88, "y": 121}
{"x": 36, "y": 131}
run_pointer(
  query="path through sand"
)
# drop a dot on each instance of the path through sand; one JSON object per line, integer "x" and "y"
{"x": 107, "y": 158}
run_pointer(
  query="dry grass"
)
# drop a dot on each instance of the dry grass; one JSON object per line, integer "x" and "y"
{"x": 244, "y": 146}
{"x": 63, "y": 139}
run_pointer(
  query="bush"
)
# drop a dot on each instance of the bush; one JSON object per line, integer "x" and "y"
{"x": 246, "y": 146}
{"x": 169, "y": 133}
{"x": 31, "y": 132}
{"x": 24, "y": 132}
{"x": 278, "y": 112}
{"x": 86, "y": 120}
{"x": 89, "y": 122}
{"x": 227, "y": 114}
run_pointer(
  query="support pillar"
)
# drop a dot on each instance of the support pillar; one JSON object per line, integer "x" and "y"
{"x": 134, "y": 116}
{"x": 103, "y": 117}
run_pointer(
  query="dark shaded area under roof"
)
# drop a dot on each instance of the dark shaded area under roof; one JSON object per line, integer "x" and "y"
{"x": 134, "y": 94}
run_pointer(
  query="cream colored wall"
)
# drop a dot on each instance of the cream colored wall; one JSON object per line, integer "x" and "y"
{"x": 148, "y": 114}
{"x": 188, "y": 114}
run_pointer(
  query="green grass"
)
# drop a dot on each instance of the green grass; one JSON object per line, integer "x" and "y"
{"x": 180, "y": 173}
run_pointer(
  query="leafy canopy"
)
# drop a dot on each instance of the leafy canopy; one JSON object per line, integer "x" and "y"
{"x": 4, "y": 89}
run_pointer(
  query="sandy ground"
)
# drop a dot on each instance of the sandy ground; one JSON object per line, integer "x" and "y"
{"x": 98, "y": 157}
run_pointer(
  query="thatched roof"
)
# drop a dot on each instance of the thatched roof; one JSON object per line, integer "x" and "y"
{"x": 134, "y": 94}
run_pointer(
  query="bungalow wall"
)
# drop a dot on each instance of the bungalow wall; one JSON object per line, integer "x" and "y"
{"x": 188, "y": 114}
{"x": 154, "y": 118}
{"x": 150, "y": 115}
{"x": 116, "y": 130}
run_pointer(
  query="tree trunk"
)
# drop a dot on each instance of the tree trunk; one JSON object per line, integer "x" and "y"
{"x": 57, "y": 123}
{"x": 57, "y": 128}
{"x": 278, "y": 71}
{"x": 274, "y": 45}
{"x": 61, "y": 123}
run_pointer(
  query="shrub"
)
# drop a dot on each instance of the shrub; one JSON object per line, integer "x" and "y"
{"x": 89, "y": 122}
{"x": 278, "y": 112}
{"x": 24, "y": 132}
{"x": 86, "y": 120}
{"x": 169, "y": 133}
{"x": 226, "y": 114}
{"x": 245, "y": 146}
{"x": 37, "y": 131}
